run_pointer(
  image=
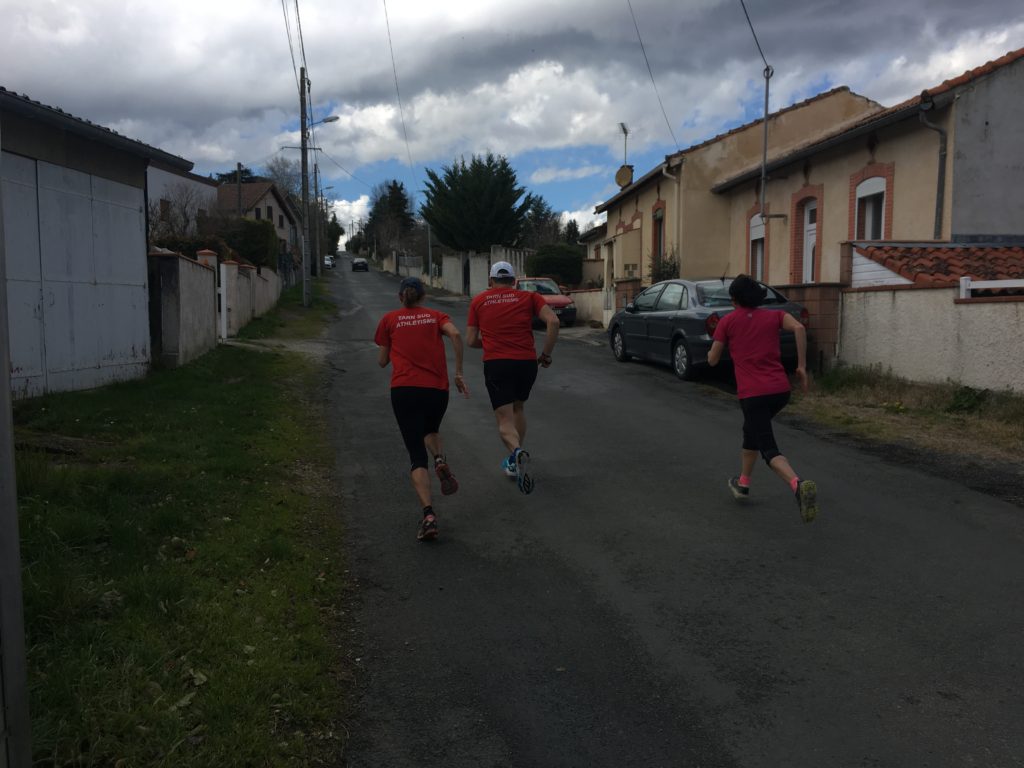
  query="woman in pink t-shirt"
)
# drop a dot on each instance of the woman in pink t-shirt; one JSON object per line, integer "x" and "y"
{"x": 752, "y": 336}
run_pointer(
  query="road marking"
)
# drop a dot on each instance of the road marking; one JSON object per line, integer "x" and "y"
{"x": 349, "y": 312}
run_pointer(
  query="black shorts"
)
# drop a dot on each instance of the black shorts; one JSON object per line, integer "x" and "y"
{"x": 509, "y": 381}
{"x": 758, "y": 413}
{"x": 419, "y": 411}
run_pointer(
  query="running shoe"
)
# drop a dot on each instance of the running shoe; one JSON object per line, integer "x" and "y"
{"x": 508, "y": 466}
{"x": 428, "y": 529}
{"x": 449, "y": 484}
{"x": 739, "y": 491}
{"x": 523, "y": 479}
{"x": 807, "y": 499}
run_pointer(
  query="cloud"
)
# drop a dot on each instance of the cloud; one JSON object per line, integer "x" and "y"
{"x": 545, "y": 175}
{"x": 351, "y": 211}
{"x": 585, "y": 217}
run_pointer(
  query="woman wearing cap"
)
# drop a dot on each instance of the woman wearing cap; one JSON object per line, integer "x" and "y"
{"x": 501, "y": 322}
{"x": 410, "y": 339}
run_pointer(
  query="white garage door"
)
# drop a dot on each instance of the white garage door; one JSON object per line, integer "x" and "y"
{"x": 76, "y": 277}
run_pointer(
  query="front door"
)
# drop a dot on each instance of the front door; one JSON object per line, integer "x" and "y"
{"x": 810, "y": 239}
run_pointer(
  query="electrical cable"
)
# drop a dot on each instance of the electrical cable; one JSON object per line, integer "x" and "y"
{"x": 302, "y": 45}
{"x": 398, "y": 94}
{"x": 346, "y": 170}
{"x": 288, "y": 32}
{"x": 651, "y": 73}
{"x": 756, "y": 41}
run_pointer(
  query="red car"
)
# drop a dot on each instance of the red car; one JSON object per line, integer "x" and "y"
{"x": 558, "y": 301}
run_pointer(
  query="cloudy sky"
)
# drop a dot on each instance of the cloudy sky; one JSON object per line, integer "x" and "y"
{"x": 543, "y": 82}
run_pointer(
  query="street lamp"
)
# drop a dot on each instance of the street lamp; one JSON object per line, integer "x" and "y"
{"x": 304, "y": 128}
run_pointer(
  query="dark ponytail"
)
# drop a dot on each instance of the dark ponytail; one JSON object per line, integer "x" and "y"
{"x": 409, "y": 297}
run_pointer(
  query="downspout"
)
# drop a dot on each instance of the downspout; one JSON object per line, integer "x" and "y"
{"x": 927, "y": 105}
{"x": 677, "y": 214}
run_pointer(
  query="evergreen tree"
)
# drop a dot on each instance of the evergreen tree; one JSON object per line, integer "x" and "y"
{"x": 472, "y": 206}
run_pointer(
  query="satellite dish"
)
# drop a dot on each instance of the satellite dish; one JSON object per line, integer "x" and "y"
{"x": 624, "y": 176}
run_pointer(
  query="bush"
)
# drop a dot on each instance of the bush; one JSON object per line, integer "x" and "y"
{"x": 254, "y": 241}
{"x": 191, "y": 245}
{"x": 560, "y": 261}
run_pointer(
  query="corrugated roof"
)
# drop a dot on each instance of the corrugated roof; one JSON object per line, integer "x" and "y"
{"x": 23, "y": 105}
{"x": 937, "y": 264}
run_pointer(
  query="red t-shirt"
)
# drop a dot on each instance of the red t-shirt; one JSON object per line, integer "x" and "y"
{"x": 417, "y": 347}
{"x": 504, "y": 316}
{"x": 752, "y": 336}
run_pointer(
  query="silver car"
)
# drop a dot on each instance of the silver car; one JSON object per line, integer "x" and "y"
{"x": 673, "y": 322}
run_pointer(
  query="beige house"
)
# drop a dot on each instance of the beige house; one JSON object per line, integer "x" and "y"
{"x": 670, "y": 214}
{"x": 261, "y": 200}
{"x": 941, "y": 167}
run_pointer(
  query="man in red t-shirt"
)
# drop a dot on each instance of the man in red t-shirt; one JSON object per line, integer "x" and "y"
{"x": 752, "y": 336}
{"x": 501, "y": 322}
{"x": 411, "y": 339}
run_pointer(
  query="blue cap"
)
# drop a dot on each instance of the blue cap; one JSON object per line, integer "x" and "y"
{"x": 412, "y": 282}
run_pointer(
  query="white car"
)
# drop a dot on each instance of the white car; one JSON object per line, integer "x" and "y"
{"x": 329, "y": 261}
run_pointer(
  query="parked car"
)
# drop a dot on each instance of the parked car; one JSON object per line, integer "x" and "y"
{"x": 359, "y": 264}
{"x": 673, "y": 322}
{"x": 562, "y": 305}
{"x": 328, "y": 262}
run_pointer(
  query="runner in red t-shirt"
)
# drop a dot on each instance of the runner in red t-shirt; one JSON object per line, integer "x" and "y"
{"x": 410, "y": 339}
{"x": 501, "y": 322}
{"x": 752, "y": 336}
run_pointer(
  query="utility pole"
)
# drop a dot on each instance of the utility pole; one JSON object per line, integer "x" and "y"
{"x": 306, "y": 297}
{"x": 238, "y": 187}
{"x": 15, "y": 735}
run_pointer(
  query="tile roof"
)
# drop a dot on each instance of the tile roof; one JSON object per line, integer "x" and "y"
{"x": 252, "y": 193}
{"x": 939, "y": 264}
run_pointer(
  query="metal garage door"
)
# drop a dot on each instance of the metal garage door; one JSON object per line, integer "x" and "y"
{"x": 76, "y": 277}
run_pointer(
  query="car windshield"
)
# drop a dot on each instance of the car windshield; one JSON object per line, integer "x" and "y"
{"x": 547, "y": 287}
{"x": 715, "y": 293}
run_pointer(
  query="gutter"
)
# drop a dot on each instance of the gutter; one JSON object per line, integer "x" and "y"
{"x": 928, "y": 105}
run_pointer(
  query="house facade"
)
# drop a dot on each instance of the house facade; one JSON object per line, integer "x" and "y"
{"x": 262, "y": 201}
{"x": 671, "y": 215}
{"x": 942, "y": 167}
{"x": 177, "y": 200}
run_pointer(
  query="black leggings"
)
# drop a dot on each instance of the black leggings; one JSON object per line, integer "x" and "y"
{"x": 419, "y": 411}
{"x": 758, "y": 413}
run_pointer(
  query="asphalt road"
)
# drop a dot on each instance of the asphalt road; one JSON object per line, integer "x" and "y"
{"x": 631, "y": 613}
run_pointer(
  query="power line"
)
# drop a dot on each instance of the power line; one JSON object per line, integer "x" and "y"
{"x": 288, "y": 32}
{"x": 651, "y": 73}
{"x": 756, "y": 41}
{"x": 346, "y": 170}
{"x": 302, "y": 45}
{"x": 394, "y": 68}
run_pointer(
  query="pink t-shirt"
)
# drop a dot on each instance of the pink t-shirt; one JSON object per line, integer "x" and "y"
{"x": 752, "y": 336}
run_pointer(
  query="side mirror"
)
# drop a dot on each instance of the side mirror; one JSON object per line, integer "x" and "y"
{"x": 631, "y": 307}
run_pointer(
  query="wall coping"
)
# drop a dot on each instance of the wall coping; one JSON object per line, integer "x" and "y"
{"x": 179, "y": 256}
{"x": 901, "y": 287}
{"x": 989, "y": 300}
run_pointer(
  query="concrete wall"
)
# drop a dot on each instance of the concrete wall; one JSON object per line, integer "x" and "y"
{"x": 988, "y": 162}
{"x": 183, "y": 308}
{"x": 266, "y": 291}
{"x": 589, "y": 304}
{"x": 242, "y": 311}
{"x": 451, "y": 273}
{"x": 924, "y": 335}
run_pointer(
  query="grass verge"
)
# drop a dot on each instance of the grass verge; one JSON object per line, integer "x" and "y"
{"x": 948, "y": 418}
{"x": 181, "y": 568}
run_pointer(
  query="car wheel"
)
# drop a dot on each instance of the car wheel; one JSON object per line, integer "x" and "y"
{"x": 682, "y": 363}
{"x": 619, "y": 346}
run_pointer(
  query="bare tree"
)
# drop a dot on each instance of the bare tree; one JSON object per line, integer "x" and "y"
{"x": 286, "y": 175}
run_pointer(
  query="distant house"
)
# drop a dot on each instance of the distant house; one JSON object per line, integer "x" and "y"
{"x": 263, "y": 201}
{"x": 73, "y": 201}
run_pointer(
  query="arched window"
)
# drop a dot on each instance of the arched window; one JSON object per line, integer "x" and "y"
{"x": 756, "y": 249}
{"x": 870, "y": 209}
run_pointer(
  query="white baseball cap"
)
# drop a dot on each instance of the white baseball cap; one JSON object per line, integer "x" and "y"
{"x": 502, "y": 269}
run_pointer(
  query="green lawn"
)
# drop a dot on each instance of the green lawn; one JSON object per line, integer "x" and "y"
{"x": 182, "y": 567}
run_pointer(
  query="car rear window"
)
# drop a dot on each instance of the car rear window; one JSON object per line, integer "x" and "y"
{"x": 715, "y": 293}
